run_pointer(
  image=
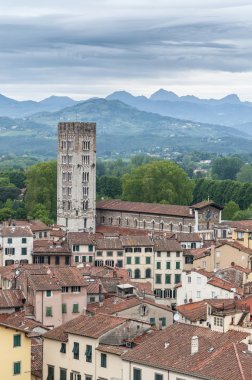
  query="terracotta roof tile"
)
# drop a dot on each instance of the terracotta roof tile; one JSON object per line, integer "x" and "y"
{"x": 167, "y": 245}
{"x": 223, "y": 284}
{"x": 50, "y": 247}
{"x": 194, "y": 311}
{"x": 17, "y": 231}
{"x": 147, "y": 208}
{"x": 89, "y": 326}
{"x": 188, "y": 237}
{"x": 81, "y": 238}
{"x": 108, "y": 243}
{"x": 203, "y": 204}
{"x": 11, "y": 298}
{"x": 215, "y": 360}
{"x": 136, "y": 241}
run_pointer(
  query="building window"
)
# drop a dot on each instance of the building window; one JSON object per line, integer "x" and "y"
{"x": 119, "y": 263}
{"x": 88, "y": 377}
{"x": 188, "y": 259}
{"x": 137, "y": 260}
{"x": 85, "y": 177}
{"x": 86, "y": 145}
{"x": 75, "y": 308}
{"x": 57, "y": 260}
{"x": 128, "y": 249}
{"x": 64, "y": 308}
{"x": 137, "y": 273}
{"x": 158, "y": 254}
{"x": 99, "y": 253}
{"x": 218, "y": 321}
{"x": 63, "y": 374}
{"x": 168, "y": 265}
{"x": 148, "y": 249}
{"x": 147, "y": 260}
{"x": 177, "y": 264}
{"x": 9, "y": 241}
{"x": 152, "y": 321}
{"x": 76, "y": 350}
{"x": 88, "y": 353}
{"x": 85, "y": 160}
{"x": 163, "y": 321}
{"x": 50, "y": 372}
{"x": 177, "y": 254}
{"x": 76, "y": 248}
{"x": 204, "y": 264}
{"x": 137, "y": 249}
{"x": 189, "y": 279}
{"x": 10, "y": 251}
{"x": 103, "y": 360}
{"x": 119, "y": 253}
{"x": 16, "y": 368}
{"x": 148, "y": 273}
{"x": 167, "y": 278}
{"x": 158, "y": 265}
{"x": 85, "y": 191}
{"x": 49, "y": 312}
{"x": 76, "y": 259}
{"x": 48, "y": 293}
{"x": 198, "y": 279}
{"x": 24, "y": 240}
{"x": 158, "y": 376}
{"x": 64, "y": 289}
{"x": 109, "y": 253}
{"x": 90, "y": 248}
{"x": 17, "y": 340}
{"x": 63, "y": 348}
{"x": 128, "y": 260}
{"x": 198, "y": 294}
{"x": 177, "y": 278}
{"x": 158, "y": 278}
{"x": 193, "y": 245}
{"x": 137, "y": 374}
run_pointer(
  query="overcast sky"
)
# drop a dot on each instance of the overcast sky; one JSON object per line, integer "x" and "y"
{"x": 85, "y": 48}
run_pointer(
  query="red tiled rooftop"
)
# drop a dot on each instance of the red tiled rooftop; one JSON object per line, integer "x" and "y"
{"x": 146, "y": 208}
{"x": 89, "y": 326}
{"x": 216, "y": 359}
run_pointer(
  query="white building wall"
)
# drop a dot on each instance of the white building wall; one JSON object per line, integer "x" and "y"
{"x": 17, "y": 243}
{"x": 195, "y": 288}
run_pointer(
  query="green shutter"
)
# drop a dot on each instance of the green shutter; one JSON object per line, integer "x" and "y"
{"x": 63, "y": 374}
{"x": 49, "y": 311}
{"x": 17, "y": 340}
{"x": 128, "y": 260}
{"x": 103, "y": 360}
{"x": 168, "y": 265}
{"x": 17, "y": 368}
{"x": 64, "y": 308}
{"x": 152, "y": 321}
{"x": 75, "y": 308}
{"x": 177, "y": 265}
{"x": 167, "y": 278}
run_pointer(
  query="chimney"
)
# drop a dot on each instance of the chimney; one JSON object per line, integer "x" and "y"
{"x": 194, "y": 345}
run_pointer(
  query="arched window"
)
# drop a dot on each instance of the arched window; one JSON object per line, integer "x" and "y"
{"x": 171, "y": 226}
{"x": 137, "y": 273}
{"x": 148, "y": 273}
{"x": 144, "y": 224}
{"x": 180, "y": 227}
{"x": 129, "y": 272}
{"x": 153, "y": 224}
{"x": 135, "y": 223}
{"x": 162, "y": 226}
{"x": 119, "y": 221}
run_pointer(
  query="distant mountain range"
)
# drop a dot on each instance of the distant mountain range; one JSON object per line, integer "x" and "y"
{"x": 121, "y": 129}
{"x": 228, "y": 111}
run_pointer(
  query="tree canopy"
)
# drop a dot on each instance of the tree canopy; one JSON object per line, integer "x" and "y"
{"x": 226, "y": 167}
{"x": 158, "y": 182}
{"x": 245, "y": 173}
{"x": 41, "y": 194}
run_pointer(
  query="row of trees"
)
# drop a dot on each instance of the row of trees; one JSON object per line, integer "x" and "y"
{"x": 141, "y": 179}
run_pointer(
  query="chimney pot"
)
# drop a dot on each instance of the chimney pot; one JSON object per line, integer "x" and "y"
{"x": 194, "y": 345}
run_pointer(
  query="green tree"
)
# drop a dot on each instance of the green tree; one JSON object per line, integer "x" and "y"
{"x": 5, "y": 214}
{"x": 245, "y": 174}
{"x": 158, "y": 181}
{"x": 229, "y": 210}
{"x": 226, "y": 167}
{"x": 109, "y": 186}
{"x": 41, "y": 186}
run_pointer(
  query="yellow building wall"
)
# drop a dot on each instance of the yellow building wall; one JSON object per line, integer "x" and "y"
{"x": 10, "y": 354}
{"x": 222, "y": 257}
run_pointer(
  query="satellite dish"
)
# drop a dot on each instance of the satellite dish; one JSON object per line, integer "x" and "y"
{"x": 176, "y": 317}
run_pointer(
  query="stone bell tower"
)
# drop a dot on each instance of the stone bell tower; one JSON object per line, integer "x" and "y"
{"x": 76, "y": 176}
